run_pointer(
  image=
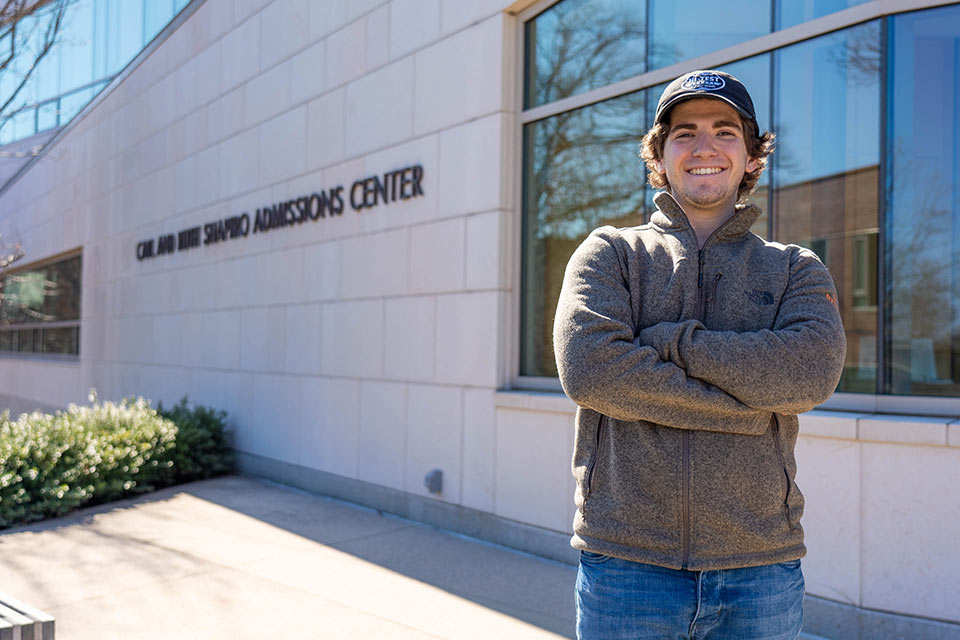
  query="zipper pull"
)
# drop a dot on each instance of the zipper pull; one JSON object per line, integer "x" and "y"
{"x": 700, "y": 270}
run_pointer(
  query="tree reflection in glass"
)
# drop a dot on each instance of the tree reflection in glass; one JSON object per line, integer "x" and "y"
{"x": 687, "y": 29}
{"x": 579, "y": 45}
{"x": 581, "y": 171}
{"x": 827, "y": 175}
{"x": 923, "y": 216}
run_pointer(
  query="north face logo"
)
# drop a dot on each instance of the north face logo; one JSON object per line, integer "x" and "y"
{"x": 762, "y": 298}
{"x": 704, "y": 82}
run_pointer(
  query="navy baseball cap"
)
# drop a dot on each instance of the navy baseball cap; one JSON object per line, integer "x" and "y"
{"x": 707, "y": 84}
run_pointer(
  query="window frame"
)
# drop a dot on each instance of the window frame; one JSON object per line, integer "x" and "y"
{"x": 843, "y": 19}
{"x": 56, "y": 324}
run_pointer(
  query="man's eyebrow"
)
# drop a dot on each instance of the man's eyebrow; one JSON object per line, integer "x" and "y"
{"x": 683, "y": 125}
{"x": 726, "y": 123}
{"x": 719, "y": 124}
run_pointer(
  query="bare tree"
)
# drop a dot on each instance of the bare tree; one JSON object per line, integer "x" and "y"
{"x": 28, "y": 31}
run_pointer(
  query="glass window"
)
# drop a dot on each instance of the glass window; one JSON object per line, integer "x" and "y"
{"x": 72, "y": 103}
{"x": 579, "y": 45}
{"x": 98, "y": 38}
{"x": 76, "y": 43}
{"x": 754, "y": 73}
{"x": 826, "y": 174}
{"x": 581, "y": 171}
{"x": 62, "y": 340}
{"x": 923, "y": 215}
{"x": 26, "y": 340}
{"x": 48, "y": 115}
{"x": 125, "y": 33}
{"x": 157, "y": 14}
{"x": 40, "y": 308}
{"x": 47, "y": 75}
{"x": 684, "y": 30}
{"x": 24, "y": 123}
{"x": 793, "y": 12}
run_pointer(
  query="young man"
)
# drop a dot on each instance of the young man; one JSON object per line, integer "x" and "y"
{"x": 690, "y": 345}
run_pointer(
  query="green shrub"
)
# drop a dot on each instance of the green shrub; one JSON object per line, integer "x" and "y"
{"x": 53, "y": 464}
{"x": 202, "y": 449}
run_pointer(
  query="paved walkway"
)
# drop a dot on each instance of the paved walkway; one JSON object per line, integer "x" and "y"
{"x": 239, "y": 558}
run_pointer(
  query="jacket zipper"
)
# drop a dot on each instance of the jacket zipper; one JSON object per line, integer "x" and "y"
{"x": 713, "y": 299}
{"x": 596, "y": 455}
{"x": 685, "y": 437}
{"x": 775, "y": 428}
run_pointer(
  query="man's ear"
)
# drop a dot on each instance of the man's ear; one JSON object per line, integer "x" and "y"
{"x": 659, "y": 166}
{"x": 752, "y": 165}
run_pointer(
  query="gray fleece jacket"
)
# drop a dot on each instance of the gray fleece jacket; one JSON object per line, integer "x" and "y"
{"x": 689, "y": 367}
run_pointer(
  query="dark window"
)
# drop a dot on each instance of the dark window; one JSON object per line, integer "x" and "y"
{"x": 827, "y": 171}
{"x": 923, "y": 217}
{"x": 579, "y": 45}
{"x": 40, "y": 308}
{"x": 581, "y": 171}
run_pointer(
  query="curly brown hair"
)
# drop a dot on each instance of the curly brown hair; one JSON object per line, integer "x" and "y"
{"x": 759, "y": 147}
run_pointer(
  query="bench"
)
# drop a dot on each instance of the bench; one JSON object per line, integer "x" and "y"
{"x": 19, "y": 621}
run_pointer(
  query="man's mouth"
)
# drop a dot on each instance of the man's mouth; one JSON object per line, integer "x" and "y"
{"x": 705, "y": 171}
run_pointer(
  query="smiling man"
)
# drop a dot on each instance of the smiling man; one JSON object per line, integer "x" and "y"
{"x": 690, "y": 345}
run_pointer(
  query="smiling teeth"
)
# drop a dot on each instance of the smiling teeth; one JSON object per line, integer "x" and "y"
{"x": 705, "y": 172}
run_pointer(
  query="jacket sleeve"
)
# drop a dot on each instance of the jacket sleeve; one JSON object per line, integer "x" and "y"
{"x": 788, "y": 369}
{"x": 603, "y": 367}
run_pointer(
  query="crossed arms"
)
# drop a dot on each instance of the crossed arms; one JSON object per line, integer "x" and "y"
{"x": 682, "y": 375}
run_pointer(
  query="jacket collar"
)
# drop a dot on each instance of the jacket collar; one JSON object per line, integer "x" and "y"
{"x": 669, "y": 216}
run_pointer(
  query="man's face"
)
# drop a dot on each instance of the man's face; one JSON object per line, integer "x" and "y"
{"x": 705, "y": 156}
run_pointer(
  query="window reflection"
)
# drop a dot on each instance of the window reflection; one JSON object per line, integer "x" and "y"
{"x": 581, "y": 172}
{"x": 754, "y": 73}
{"x": 684, "y": 30}
{"x": 36, "y": 303}
{"x": 76, "y": 43}
{"x": 827, "y": 171}
{"x": 98, "y": 38}
{"x": 923, "y": 252}
{"x": 793, "y": 12}
{"x": 579, "y": 45}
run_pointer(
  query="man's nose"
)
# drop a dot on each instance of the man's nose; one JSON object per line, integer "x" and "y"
{"x": 704, "y": 146}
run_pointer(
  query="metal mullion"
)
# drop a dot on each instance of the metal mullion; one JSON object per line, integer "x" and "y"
{"x": 772, "y": 165}
{"x": 514, "y": 335}
{"x": 763, "y": 44}
{"x": 36, "y": 106}
{"x": 57, "y": 324}
{"x": 883, "y": 255}
{"x": 49, "y": 260}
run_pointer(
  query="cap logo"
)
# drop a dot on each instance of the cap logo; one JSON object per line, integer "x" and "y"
{"x": 704, "y": 82}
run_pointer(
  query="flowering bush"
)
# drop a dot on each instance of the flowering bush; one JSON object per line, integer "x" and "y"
{"x": 53, "y": 464}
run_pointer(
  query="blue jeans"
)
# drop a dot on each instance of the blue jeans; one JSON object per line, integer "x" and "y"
{"x": 619, "y": 599}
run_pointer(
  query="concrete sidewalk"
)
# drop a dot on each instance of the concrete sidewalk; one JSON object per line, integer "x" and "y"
{"x": 238, "y": 558}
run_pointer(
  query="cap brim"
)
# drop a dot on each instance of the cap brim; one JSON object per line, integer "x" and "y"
{"x": 664, "y": 109}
